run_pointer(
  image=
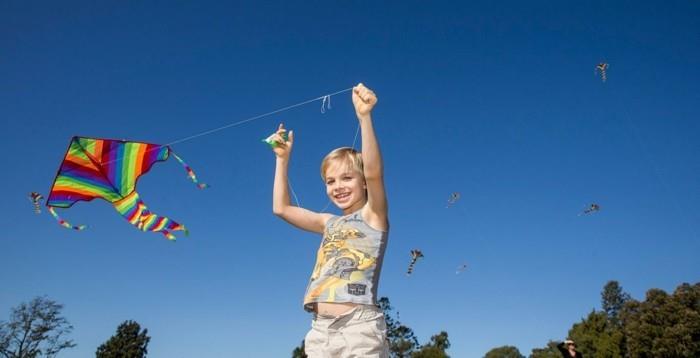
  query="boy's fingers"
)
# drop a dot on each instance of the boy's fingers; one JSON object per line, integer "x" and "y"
{"x": 357, "y": 89}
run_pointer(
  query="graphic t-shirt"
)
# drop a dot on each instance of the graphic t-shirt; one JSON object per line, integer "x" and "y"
{"x": 348, "y": 263}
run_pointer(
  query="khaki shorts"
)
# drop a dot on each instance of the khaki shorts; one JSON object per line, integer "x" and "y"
{"x": 361, "y": 332}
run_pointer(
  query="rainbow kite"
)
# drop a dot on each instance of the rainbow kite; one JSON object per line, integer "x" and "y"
{"x": 108, "y": 169}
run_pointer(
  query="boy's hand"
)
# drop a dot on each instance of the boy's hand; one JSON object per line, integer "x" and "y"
{"x": 363, "y": 99}
{"x": 283, "y": 148}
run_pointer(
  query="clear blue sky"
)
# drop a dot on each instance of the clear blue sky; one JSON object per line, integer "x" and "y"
{"x": 495, "y": 100}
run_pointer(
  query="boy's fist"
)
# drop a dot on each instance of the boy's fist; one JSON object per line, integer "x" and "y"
{"x": 363, "y": 99}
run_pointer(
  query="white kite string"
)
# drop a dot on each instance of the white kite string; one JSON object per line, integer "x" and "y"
{"x": 326, "y": 100}
{"x": 325, "y": 104}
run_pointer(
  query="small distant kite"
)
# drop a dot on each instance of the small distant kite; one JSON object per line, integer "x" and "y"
{"x": 454, "y": 197}
{"x": 415, "y": 255}
{"x": 591, "y": 209}
{"x": 602, "y": 68}
{"x": 109, "y": 169}
{"x": 461, "y": 268}
{"x": 36, "y": 199}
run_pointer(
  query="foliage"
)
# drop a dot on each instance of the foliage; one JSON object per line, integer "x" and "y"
{"x": 35, "y": 329}
{"x": 504, "y": 352}
{"x": 402, "y": 340}
{"x": 597, "y": 336}
{"x": 664, "y": 325}
{"x": 550, "y": 351}
{"x": 613, "y": 300}
{"x": 128, "y": 342}
{"x": 436, "y": 348}
{"x": 299, "y": 352}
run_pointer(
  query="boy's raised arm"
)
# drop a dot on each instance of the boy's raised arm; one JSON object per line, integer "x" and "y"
{"x": 281, "y": 205}
{"x": 364, "y": 100}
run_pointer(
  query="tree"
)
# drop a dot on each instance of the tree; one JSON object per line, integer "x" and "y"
{"x": 664, "y": 325}
{"x": 35, "y": 329}
{"x": 550, "y": 351}
{"x": 613, "y": 299}
{"x": 299, "y": 352}
{"x": 597, "y": 336}
{"x": 402, "y": 340}
{"x": 504, "y": 352}
{"x": 436, "y": 348}
{"x": 129, "y": 342}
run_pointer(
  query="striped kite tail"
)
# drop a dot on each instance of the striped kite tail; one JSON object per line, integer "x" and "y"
{"x": 190, "y": 172}
{"x": 410, "y": 267}
{"x": 415, "y": 255}
{"x": 64, "y": 223}
{"x": 135, "y": 212}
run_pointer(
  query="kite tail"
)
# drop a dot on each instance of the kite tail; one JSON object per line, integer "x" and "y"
{"x": 64, "y": 223}
{"x": 135, "y": 211}
{"x": 190, "y": 173}
{"x": 415, "y": 255}
{"x": 410, "y": 267}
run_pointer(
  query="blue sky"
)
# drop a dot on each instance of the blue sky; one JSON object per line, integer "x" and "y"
{"x": 495, "y": 100}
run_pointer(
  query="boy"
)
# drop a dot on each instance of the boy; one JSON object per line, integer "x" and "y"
{"x": 342, "y": 292}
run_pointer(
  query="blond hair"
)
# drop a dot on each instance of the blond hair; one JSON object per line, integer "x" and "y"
{"x": 347, "y": 155}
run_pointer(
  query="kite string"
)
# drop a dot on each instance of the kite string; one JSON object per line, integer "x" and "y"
{"x": 324, "y": 105}
{"x": 324, "y": 98}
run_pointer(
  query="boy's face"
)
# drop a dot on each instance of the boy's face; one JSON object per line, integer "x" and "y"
{"x": 345, "y": 187}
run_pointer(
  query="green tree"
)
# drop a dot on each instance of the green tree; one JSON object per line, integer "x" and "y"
{"x": 402, "y": 340}
{"x": 35, "y": 329}
{"x": 613, "y": 300}
{"x": 504, "y": 352}
{"x": 129, "y": 342}
{"x": 597, "y": 336}
{"x": 550, "y": 351}
{"x": 299, "y": 352}
{"x": 436, "y": 348}
{"x": 664, "y": 325}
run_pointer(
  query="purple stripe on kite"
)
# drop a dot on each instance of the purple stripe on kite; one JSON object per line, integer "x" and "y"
{"x": 116, "y": 168}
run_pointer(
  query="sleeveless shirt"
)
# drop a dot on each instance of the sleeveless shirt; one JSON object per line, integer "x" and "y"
{"x": 348, "y": 263}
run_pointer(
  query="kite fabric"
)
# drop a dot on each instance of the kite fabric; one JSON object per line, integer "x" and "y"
{"x": 602, "y": 68}
{"x": 36, "y": 199}
{"x": 454, "y": 197}
{"x": 461, "y": 268}
{"x": 591, "y": 209}
{"x": 109, "y": 169}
